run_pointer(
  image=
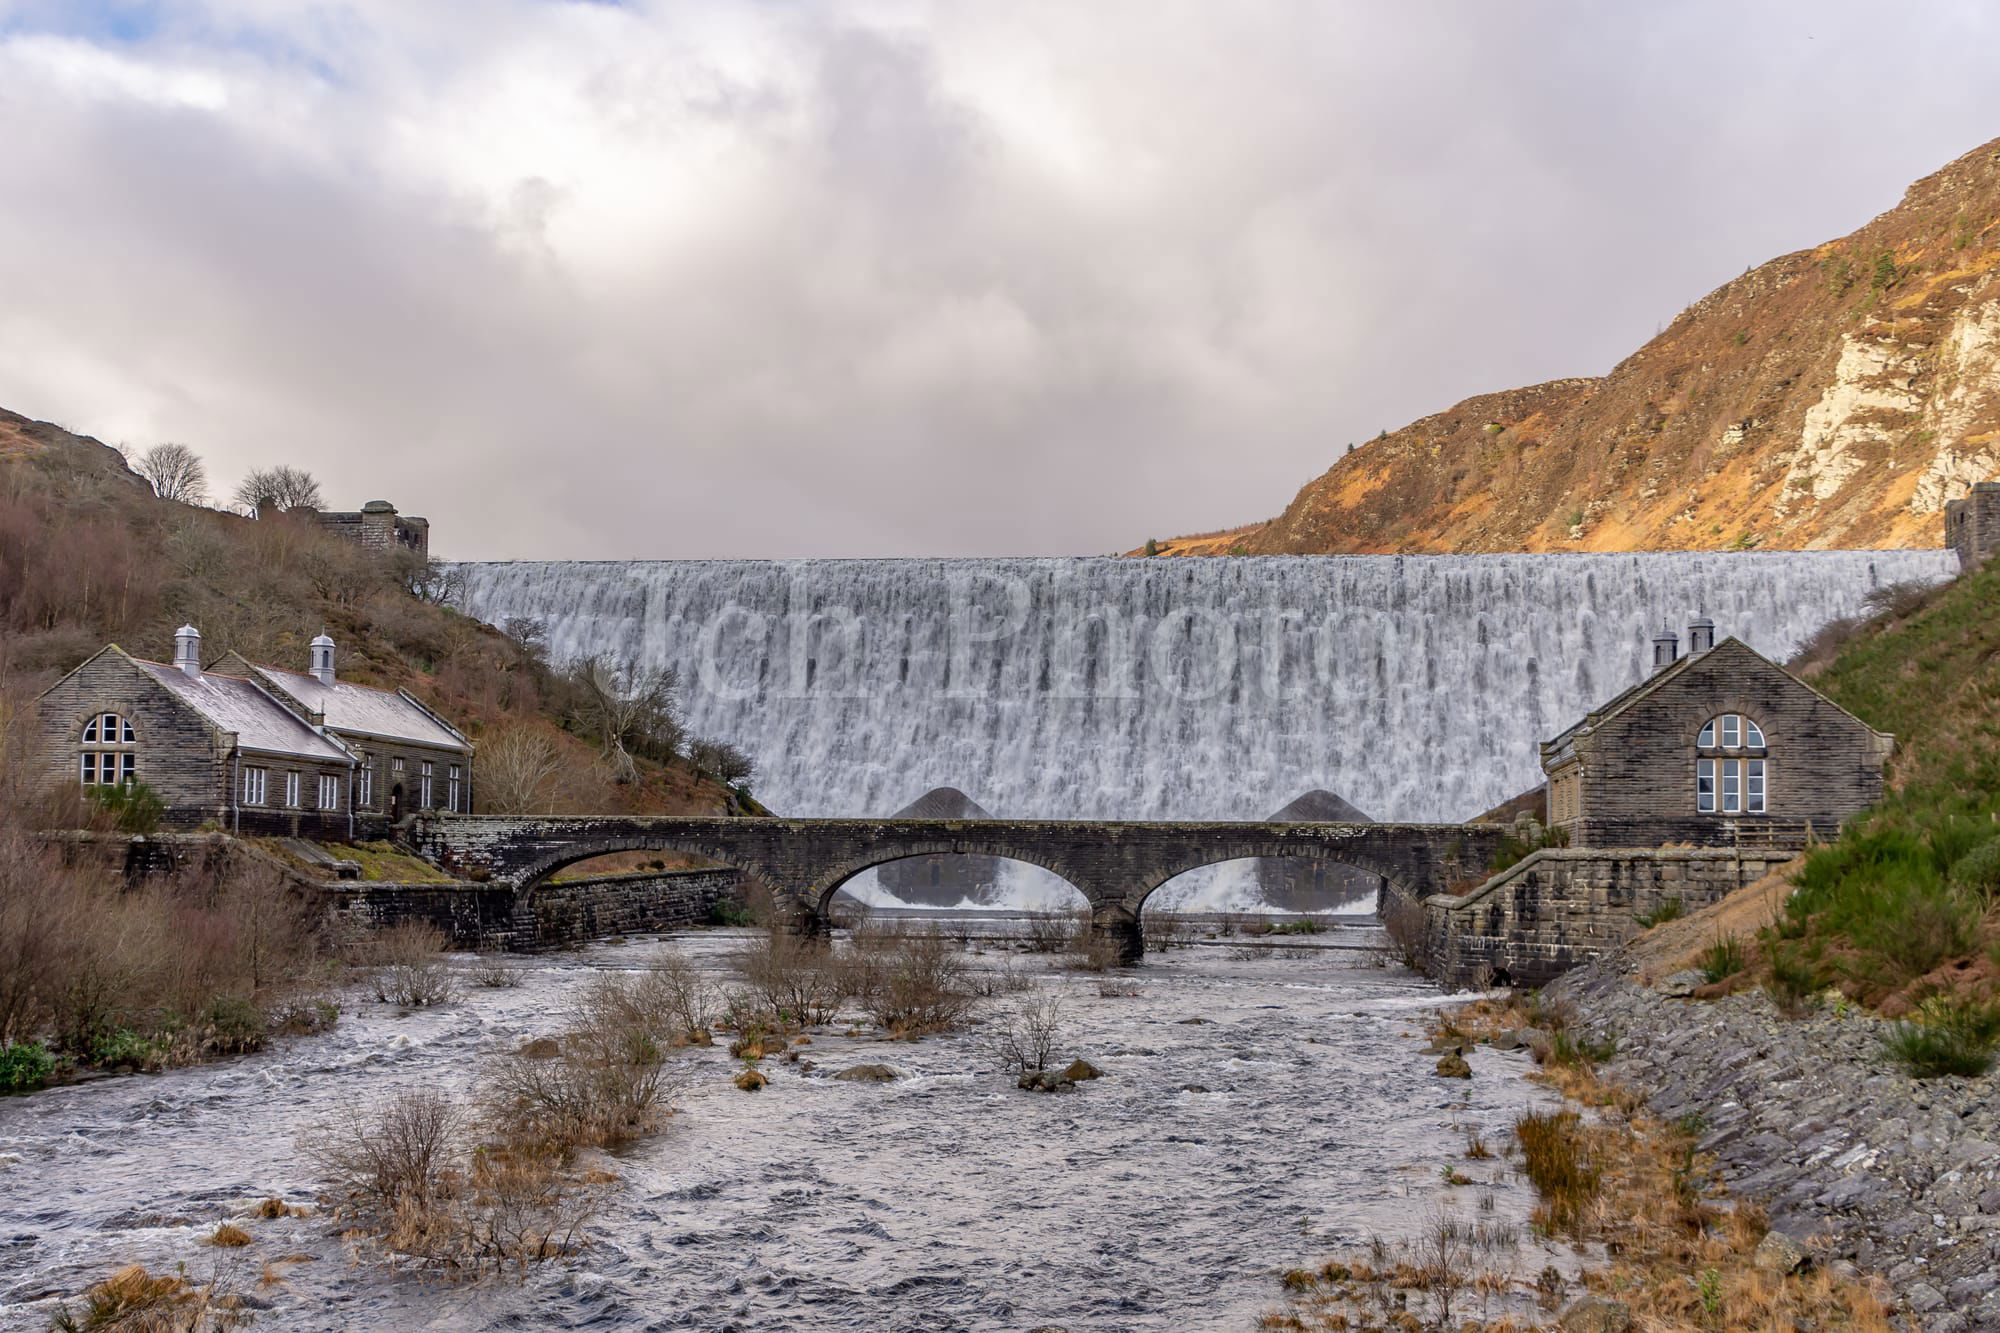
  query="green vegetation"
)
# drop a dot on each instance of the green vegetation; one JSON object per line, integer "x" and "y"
{"x": 132, "y": 808}
{"x": 1946, "y": 1036}
{"x": 24, "y": 1065}
{"x": 1722, "y": 960}
{"x": 1670, "y": 909}
{"x": 1889, "y": 911}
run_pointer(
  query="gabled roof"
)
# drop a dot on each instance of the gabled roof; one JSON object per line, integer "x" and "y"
{"x": 1666, "y": 675}
{"x": 232, "y": 703}
{"x": 364, "y": 710}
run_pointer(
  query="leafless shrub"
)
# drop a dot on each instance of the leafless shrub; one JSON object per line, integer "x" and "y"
{"x": 1168, "y": 929}
{"x": 1092, "y": 952}
{"x": 176, "y": 473}
{"x": 1053, "y": 930}
{"x": 608, "y": 1083}
{"x": 684, "y": 1001}
{"x": 517, "y": 772}
{"x": 914, "y": 981}
{"x": 1028, "y": 1042}
{"x": 492, "y": 971}
{"x": 408, "y": 967}
{"x": 1403, "y": 922}
{"x": 722, "y": 761}
{"x": 1897, "y": 601}
{"x": 400, "y": 1151}
{"x": 271, "y": 490}
{"x": 1002, "y": 978}
{"x": 798, "y": 978}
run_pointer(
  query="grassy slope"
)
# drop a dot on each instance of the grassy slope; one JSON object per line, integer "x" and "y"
{"x": 89, "y": 555}
{"x": 1904, "y": 904}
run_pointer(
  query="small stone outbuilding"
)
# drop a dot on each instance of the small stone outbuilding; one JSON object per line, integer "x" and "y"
{"x": 1719, "y": 747}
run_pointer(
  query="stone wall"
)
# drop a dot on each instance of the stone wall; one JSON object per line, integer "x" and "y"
{"x": 1972, "y": 525}
{"x": 494, "y": 916}
{"x": 1562, "y": 907}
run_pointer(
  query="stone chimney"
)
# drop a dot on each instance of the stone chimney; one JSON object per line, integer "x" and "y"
{"x": 322, "y": 660}
{"x": 1666, "y": 648}
{"x": 1701, "y": 635}
{"x": 187, "y": 650}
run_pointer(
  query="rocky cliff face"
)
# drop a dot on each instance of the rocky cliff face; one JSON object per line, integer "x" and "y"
{"x": 1836, "y": 397}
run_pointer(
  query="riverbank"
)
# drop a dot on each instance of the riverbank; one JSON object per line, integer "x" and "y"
{"x": 1858, "y": 1162}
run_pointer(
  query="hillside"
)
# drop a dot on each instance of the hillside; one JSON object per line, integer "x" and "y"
{"x": 88, "y": 554}
{"x": 1835, "y": 397}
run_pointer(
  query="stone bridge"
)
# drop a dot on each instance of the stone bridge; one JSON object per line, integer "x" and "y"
{"x": 1115, "y": 865}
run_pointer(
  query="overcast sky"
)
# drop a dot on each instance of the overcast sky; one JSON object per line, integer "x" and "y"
{"x": 675, "y": 278}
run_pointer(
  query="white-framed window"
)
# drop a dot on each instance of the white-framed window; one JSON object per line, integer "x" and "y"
{"x": 365, "y": 797}
{"x": 108, "y": 729}
{"x": 1729, "y": 772}
{"x": 291, "y": 789}
{"x": 329, "y": 792}
{"x": 256, "y": 785}
{"x": 453, "y": 775}
{"x": 101, "y": 766}
{"x": 424, "y": 786}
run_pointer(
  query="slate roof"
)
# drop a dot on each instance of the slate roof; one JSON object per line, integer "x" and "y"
{"x": 231, "y": 703}
{"x": 364, "y": 710}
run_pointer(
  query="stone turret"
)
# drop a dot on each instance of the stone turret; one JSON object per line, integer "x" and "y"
{"x": 378, "y": 527}
{"x": 1972, "y": 525}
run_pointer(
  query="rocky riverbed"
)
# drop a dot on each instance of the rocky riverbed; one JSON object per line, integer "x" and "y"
{"x": 1861, "y": 1163}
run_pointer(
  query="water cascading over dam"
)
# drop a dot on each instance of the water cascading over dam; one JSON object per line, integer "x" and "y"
{"x": 1416, "y": 687}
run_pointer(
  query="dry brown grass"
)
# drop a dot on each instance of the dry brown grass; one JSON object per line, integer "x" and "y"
{"x": 229, "y": 1236}
{"x": 1672, "y": 1245}
{"x": 133, "y": 1300}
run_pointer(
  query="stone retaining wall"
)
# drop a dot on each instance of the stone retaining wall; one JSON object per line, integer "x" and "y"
{"x": 1562, "y": 907}
{"x": 489, "y": 916}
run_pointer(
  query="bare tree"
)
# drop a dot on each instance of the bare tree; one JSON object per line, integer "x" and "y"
{"x": 271, "y": 490}
{"x": 723, "y": 760}
{"x": 517, "y": 770}
{"x": 635, "y": 712}
{"x": 176, "y": 473}
{"x": 1033, "y": 1029}
{"x": 428, "y": 580}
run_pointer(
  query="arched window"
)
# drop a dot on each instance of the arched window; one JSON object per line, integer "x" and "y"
{"x": 1729, "y": 767}
{"x": 109, "y": 758}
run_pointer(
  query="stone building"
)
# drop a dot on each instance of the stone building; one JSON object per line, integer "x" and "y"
{"x": 1972, "y": 525}
{"x": 251, "y": 749}
{"x": 408, "y": 757}
{"x": 1716, "y": 748}
{"x": 377, "y": 526}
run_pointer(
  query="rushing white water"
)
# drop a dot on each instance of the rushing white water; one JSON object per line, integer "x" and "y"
{"x": 947, "y": 1201}
{"x": 1415, "y": 687}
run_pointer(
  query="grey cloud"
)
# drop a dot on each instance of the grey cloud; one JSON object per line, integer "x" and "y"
{"x": 689, "y": 279}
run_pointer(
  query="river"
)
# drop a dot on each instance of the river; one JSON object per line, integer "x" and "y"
{"x": 945, "y": 1200}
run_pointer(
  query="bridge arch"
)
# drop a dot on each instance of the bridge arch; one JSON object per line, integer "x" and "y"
{"x": 1369, "y": 878}
{"x": 1390, "y": 876}
{"x": 819, "y": 895}
{"x": 537, "y": 873}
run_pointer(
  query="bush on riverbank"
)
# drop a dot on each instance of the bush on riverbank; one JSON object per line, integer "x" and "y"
{"x": 204, "y": 963}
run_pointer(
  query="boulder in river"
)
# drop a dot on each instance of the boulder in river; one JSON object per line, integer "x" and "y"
{"x": 868, "y": 1074}
{"x": 1082, "y": 1071}
{"x": 1453, "y": 1065}
{"x": 541, "y": 1048}
{"x": 1045, "y": 1080}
